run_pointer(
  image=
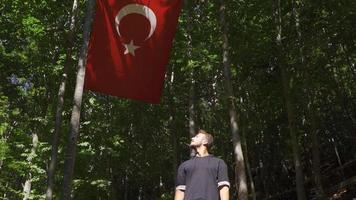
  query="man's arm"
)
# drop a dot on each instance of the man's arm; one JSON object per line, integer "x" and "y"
{"x": 180, "y": 183}
{"x": 179, "y": 195}
{"x": 224, "y": 193}
{"x": 223, "y": 181}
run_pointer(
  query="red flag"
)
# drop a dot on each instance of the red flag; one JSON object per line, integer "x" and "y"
{"x": 129, "y": 47}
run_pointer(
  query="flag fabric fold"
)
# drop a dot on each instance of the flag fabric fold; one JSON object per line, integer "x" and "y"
{"x": 130, "y": 46}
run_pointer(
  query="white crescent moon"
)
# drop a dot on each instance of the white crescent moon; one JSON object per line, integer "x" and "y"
{"x": 137, "y": 9}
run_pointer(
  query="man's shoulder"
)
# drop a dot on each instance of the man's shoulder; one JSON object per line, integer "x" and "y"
{"x": 210, "y": 157}
{"x": 185, "y": 163}
{"x": 216, "y": 159}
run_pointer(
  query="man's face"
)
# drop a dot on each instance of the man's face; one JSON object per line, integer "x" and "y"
{"x": 198, "y": 140}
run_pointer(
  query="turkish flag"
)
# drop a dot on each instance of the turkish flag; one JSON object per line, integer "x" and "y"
{"x": 129, "y": 47}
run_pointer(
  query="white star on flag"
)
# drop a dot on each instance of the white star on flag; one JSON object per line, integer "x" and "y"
{"x": 130, "y": 48}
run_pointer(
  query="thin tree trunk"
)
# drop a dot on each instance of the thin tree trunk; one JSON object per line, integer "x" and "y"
{"x": 289, "y": 109}
{"x": 5, "y": 138}
{"x": 175, "y": 152}
{"x": 316, "y": 159}
{"x": 192, "y": 101}
{"x": 28, "y": 182}
{"x": 248, "y": 168}
{"x": 336, "y": 150}
{"x": 113, "y": 193}
{"x": 4, "y": 196}
{"x": 126, "y": 186}
{"x": 315, "y": 140}
{"x": 192, "y": 114}
{"x": 61, "y": 92}
{"x": 240, "y": 170}
{"x": 1, "y": 161}
{"x": 340, "y": 93}
{"x": 295, "y": 5}
{"x": 171, "y": 123}
{"x": 348, "y": 57}
{"x": 27, "y": 188}
{"x": 264, "y": 178}
{"x": 294, "y": 140}
{"x": 346, "y": 106}
{"x": 78, "y": 94}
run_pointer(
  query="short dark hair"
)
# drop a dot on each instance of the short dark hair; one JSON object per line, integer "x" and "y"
{"x": 208, "y": 136}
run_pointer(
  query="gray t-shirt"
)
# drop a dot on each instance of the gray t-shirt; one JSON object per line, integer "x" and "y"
{"x": 201, "y": 177}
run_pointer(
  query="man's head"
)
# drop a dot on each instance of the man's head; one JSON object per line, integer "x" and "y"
{"x": 202, "y": 138}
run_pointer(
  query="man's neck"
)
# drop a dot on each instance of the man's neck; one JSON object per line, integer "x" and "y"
{"x": 202, "y": 151}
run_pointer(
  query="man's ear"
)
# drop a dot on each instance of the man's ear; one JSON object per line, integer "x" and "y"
{"x": 205, "y": 142}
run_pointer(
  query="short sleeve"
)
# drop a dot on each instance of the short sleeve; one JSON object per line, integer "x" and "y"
{"x": 223, "y": 178}
{"x": 180, "y": 182}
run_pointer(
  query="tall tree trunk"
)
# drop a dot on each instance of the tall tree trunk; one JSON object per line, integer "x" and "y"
{"x": 4, "y": 196}
{"x": 338, "y": 157}
{"x": 112, "y": 194}
{"x": 294, "y": 140}
{"x": 126, "y": 185}
{"x": 192, "y": 114}
{"x": 240, "y": 170}
{"x": 175, "y": 151}
{"x": 314, "y": 130}
{"x": 61, "y": 92}
{"x": 289, "y": 108}
{"x": 78, "y": 94}
{"x": 290, "y": 111}
{"x": 171, "y": 123}
{"x": 28, "y": 182}
{"x": 346, "y": 105}
{"x": 316, "y": 158}
{"x": 341, "y": 95}
{"x": 248, "y": 168}
{"x": 192, "y": 101}
{"x": 2, "y": 141}
{"x": 264, "y": 178}
{"x": 27, "y": 187}
{"x": 295, "y": 4}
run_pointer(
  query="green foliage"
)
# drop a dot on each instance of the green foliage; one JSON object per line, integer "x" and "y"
{"x": 4, "y": 149}
{"x": 33, "y": 27}
{"x": 127, "y": 149}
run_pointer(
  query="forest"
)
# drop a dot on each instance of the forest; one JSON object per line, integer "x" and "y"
{"x": 273, "y": 81}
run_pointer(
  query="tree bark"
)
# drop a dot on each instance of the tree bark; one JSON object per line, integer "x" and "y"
{"x": 126, "y": 185}
{"x": 240, "y": 170}
{"x": 192, "y": 114}
{"x": 289, "y": 108}
{"x": 316, "y": 159}
{"x": 294, "y": 138}
{"x": 314, "y": 130}
{"x": 337, "y": 154}
{"x": 78, "y": 95}
{"x": 171, "y": 123}
{"x": 61, "y": 93}
{"x": 192, "y": 100}
{"x": 27, "y": 188}
{"x": 28, "y": 182}
{"x": 295, "y": 4}
{"x": 248, "y": 168}
{"x": 175, "y": 152}
{"x": 112, "y": 194}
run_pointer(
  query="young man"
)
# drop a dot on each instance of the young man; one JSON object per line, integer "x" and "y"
{"x": 203, "y": 177}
